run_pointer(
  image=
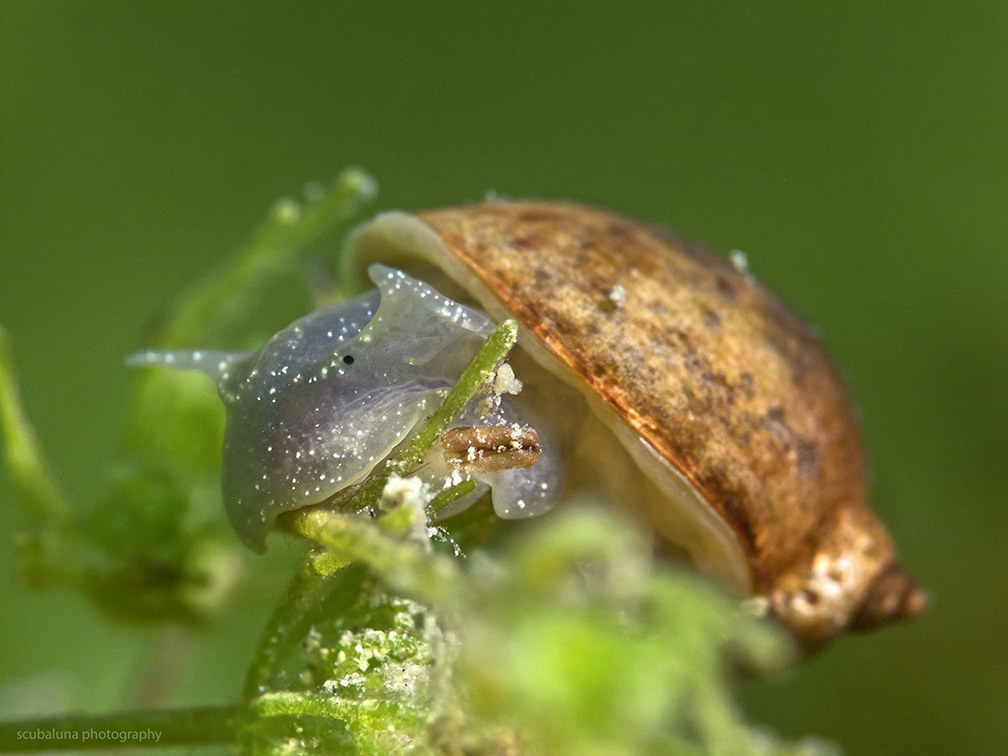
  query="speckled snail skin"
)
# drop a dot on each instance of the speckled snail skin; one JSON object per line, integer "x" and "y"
{"x": 692, "y": 374}
{"x": 331, "y": 395}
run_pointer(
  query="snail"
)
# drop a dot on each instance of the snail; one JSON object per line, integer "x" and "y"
{"x": 660, "y": 377}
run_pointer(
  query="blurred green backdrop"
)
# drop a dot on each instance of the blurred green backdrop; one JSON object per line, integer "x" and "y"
{"x": 858, "y": 156}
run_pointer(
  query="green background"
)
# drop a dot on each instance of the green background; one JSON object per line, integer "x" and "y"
{"x": 858, "y": 156}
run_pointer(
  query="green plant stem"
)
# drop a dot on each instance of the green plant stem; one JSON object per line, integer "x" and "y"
{"x": 306, "y": 704}
{"x": 206, "y": 725}
{"x": 308, "y": 600}
{"x": 450, "y": 496}
{"x": 274, "y": 641}
{"x": 408, "y": 568}
{"x": 43, "y": 503}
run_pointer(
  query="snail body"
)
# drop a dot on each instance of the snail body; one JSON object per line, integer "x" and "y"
{"x": 329, "y": 397}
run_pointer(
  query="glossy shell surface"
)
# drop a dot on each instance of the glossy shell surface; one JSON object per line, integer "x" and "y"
{"x": 711, "y": 371}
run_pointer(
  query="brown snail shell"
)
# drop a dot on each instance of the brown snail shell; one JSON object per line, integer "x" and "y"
{"x": 725, "y": 400}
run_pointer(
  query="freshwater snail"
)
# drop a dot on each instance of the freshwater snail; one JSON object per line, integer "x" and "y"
{"x": 666, "y": 380}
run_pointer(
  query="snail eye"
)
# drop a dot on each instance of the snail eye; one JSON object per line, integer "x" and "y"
{"x": 348, "y": 360}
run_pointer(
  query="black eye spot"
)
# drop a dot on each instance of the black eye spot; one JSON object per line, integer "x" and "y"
{"x": 347, "y": 360}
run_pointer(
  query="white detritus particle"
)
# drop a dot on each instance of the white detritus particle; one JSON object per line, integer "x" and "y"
{"x": 740, "y": 261}
{"x": 413, "y": 494}
{"x": 505, "y": 381}
{"x": 617, "y": 295}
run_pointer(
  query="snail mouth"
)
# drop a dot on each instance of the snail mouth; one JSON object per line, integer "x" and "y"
{"x": 893, "y": 596}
